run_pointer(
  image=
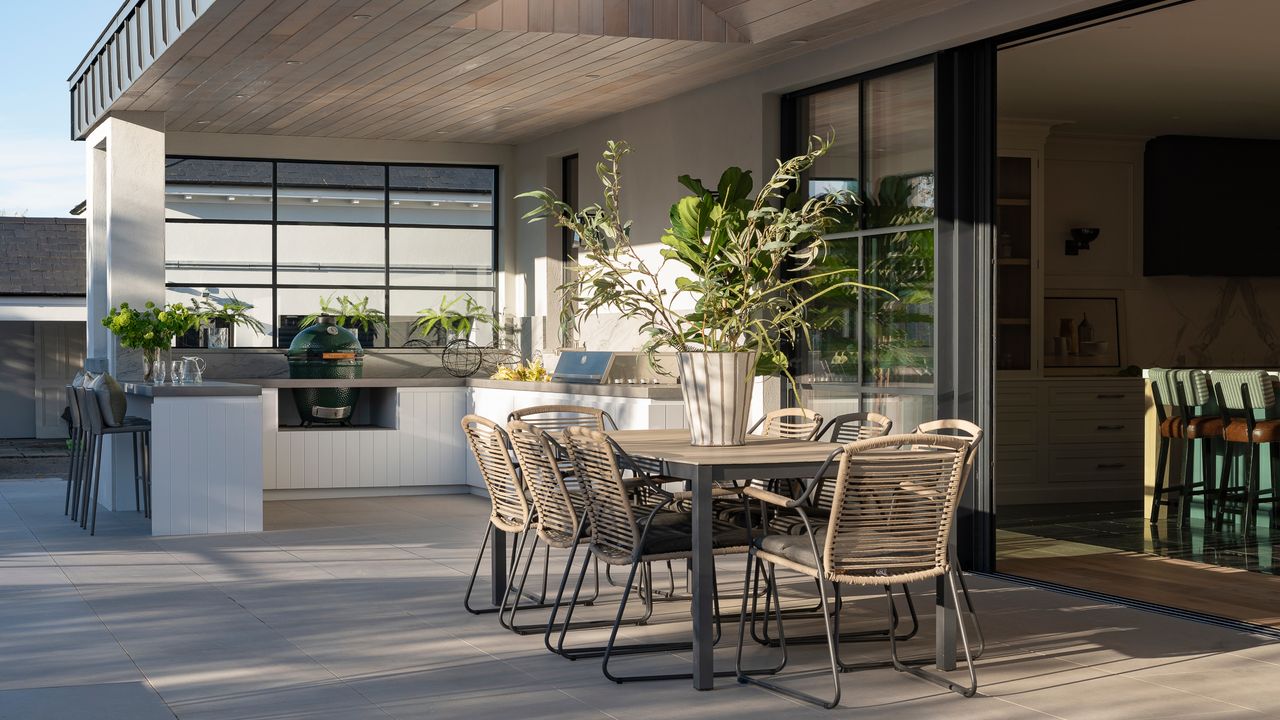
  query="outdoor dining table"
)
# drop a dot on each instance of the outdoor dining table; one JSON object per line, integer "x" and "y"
{"x": 670, "y": 454}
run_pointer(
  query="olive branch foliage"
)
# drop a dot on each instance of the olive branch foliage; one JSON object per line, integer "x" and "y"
{"x": 749, "y": 265}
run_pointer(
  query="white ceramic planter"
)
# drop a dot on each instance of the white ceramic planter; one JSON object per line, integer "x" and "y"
{"x": 717, "y": 395}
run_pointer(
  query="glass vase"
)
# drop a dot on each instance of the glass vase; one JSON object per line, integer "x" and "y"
{"x": 149, "y": 357}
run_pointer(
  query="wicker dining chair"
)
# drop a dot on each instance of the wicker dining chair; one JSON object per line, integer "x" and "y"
{"x": 625, "y": 535}
{"x": 895, "y": 507}
{"x": 554, "y": 419}
{"x": 560, "y": 522}
{"x": 853, "y": 426}
{"x": 510, "y": 510}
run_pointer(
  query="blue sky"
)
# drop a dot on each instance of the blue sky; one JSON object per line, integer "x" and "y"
{"x": 41, "y": 170}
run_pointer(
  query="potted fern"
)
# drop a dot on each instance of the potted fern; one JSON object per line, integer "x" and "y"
{"x": 747, "y": 276}
{"x": 351, "y": 314}
{"x": 445, "y": 323}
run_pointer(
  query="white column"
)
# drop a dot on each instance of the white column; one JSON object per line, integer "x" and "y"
{"x": 125, "y": 251}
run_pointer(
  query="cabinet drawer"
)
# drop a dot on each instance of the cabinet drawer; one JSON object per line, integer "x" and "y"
{"x": 1017, "y": 396}
{"x": 1097, "y": 398}
{"x": 1097, "y": 427}
{"x": 1081, "y": 465}
{"x": 1016, "y": 468}
{"x": 1017, "y": 427}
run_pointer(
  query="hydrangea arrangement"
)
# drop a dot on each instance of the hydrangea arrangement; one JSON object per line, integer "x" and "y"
{"x": 150, "y": 329}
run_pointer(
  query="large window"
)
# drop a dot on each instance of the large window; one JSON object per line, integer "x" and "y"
{"x": 873, "y": 351}
{"x": 282, "y": 235}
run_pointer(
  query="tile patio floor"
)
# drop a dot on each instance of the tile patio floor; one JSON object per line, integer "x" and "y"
{"x": 350, "y": 609}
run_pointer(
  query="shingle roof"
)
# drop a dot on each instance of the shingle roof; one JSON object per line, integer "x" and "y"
{"x": 42, "y": 256}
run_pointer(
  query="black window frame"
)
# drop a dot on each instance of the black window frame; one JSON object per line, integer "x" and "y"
{"x": 385, "y": 287}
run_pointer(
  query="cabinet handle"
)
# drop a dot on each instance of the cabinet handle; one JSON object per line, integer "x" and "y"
{"x": 1110, "y": 396}
{"x": 1110, "y": 427}
{"x": 1110, "y": 466}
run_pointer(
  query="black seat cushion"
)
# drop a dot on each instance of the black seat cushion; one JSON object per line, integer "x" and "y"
{"x": 672, "y": 532}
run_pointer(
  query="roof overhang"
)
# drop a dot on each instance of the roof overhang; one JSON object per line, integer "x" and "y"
{"x": 496, "y": 71}
{"x": 42, "y": 308}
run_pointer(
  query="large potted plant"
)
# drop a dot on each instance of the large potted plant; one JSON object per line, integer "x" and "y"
{"x": 150, "y": 329}
{"x": 747, "y": 276}
{"x": 355, "y": 315}
{"x": 445, "y": 323}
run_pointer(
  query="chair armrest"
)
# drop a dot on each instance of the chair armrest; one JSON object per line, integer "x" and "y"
{"x": 716, "y": 492}
{"x": 770, "y": 497}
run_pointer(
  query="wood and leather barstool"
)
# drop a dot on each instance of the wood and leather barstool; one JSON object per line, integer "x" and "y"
{"x": 1195, "y": 422}
{"x": 1243, "y": 395}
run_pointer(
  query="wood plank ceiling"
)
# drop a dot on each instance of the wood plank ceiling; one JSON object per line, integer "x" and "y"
{"x": 495, "y": 71}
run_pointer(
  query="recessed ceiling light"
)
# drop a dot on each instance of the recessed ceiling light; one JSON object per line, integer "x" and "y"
{"x": 202, "y": 122}
{"x": 355, "y": 202}
{"x": 186, "y": 197}
{"x": 395, "y": 202}
{"x": 241, "y": 96}
{"x": 475, "y": 205}
{"x": 435, "y": 204}
{"x": 592, "y": 76}
{"x": 231, "y": 198}
{"x": 361, "y": 17}
{"x": 506, "y": 107}
{"x": 315, "y": 200}
{"x": 292, "y": 62}
{"x": 798, "y": 41}
{"x": 442, "y": 132}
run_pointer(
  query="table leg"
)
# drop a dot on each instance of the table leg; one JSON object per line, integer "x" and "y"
{"x": 498, "y": 565}
{"x": 702, "y": 590}
{"x": 945, "y": 626}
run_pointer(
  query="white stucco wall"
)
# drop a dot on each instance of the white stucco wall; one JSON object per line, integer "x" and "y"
{"x": 735, "y": 122}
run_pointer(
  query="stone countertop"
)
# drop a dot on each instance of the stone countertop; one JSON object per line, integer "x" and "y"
{"x": 668, "y": 391}
{"x": 356, "y": 382}
{"x": 208, "y": 388}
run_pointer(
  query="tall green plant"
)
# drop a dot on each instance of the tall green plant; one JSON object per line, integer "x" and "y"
{"x": 741, "y": 259}
{"x": 452, "y": 321}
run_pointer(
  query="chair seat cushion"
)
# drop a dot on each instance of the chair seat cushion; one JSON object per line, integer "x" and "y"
{"x": 796, "y": 548}
{"x": 672, "y": 532}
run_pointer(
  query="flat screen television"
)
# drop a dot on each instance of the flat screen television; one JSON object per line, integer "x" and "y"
{"x": 1209, "y": 206}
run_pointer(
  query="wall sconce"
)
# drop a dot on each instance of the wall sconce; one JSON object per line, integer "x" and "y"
{"x": 1080, "y": 239}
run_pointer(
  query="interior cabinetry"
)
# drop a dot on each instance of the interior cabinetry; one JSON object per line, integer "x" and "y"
{"x": 1019, "y": 227}
{"x": 1065, "y": 440}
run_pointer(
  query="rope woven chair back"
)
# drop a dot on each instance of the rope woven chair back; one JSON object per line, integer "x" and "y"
{"x": 557, "y": 518}
{"x": 852, "y": 427}
{"x": 894, "y": 509}
{"x": 614, "y": 531}
{"x": 791, "y": 423}
{"x": 955, "y": 427}
{"x": 556, "y": 418}
{"x": 492, "y": 450}
{"x": 1262, "y": 394}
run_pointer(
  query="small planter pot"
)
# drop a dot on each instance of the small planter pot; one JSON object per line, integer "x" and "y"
{"x": 717, "y": 395}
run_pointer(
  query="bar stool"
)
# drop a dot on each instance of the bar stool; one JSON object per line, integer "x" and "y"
{"x": 96, "y": 430}
{"x": 1242, "y": 395}
{"x": 79, "y": 450}
{"x": 1197, "y": 424}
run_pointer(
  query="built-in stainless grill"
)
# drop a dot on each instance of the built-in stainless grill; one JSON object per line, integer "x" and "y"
{"x": 602, "y": 367}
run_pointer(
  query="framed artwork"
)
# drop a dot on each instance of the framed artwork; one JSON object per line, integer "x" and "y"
{"x": 1082, "y": 332}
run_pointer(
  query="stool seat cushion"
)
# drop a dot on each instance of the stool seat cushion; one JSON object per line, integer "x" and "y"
{"x": 1197, "y": 428}
{"x": 1264, "y": 431}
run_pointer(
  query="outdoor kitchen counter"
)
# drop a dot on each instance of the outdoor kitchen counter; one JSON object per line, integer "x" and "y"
{"x": 669, "y": 391}
{"x": 367, "y": 382}
{"x": 206, "y": 457}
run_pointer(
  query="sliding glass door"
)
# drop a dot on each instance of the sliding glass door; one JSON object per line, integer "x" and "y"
{"x": 874, "y": 350}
